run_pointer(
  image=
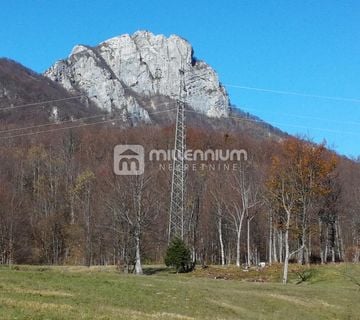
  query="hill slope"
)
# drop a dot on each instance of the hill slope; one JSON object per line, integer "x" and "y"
{"x": 20, "y": 86}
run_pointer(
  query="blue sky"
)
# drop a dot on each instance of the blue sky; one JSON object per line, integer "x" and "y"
{"x": 310, "y": 47}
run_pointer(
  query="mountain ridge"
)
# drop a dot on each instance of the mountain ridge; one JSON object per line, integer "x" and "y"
{"x": 146, "y": 64}
{"x": 125, "y": 94}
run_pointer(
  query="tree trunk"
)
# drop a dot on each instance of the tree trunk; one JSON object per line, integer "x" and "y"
{"x": 281, "y": 246}
{"x": 321, "y": 242}
{"x": 238, "y": 238}
{"x": 333, "y": 241}
{"x": 248, "y": 242}
{"x": 229, "y": 253}
{"x": 326, "y": 244}
{"x": 341, "y": 243}
{"x": 274, "y": 245}
{"x": 138, "y": 267}
{"x": 286, "y": 259}
{"x": 309, "y": 248}
{"x": 222, "y": 252}
{"x": 270, "y": 238}
{"x": 88, "y": 229}
{"x": 301, "y": 257}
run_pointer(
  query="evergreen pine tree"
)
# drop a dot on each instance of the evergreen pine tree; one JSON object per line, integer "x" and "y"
{"x": 178, "y": 256}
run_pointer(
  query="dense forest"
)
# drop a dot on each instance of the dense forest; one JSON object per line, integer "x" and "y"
{"x": 61, "y": 203}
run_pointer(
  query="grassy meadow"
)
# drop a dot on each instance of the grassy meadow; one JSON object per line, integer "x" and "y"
{"x": 40, "y": 292}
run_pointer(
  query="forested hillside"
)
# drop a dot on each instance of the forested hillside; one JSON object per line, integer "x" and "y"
{"x": 60, "y": 202}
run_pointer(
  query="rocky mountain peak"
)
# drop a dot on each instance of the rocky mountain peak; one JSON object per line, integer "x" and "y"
{"x": 127, "y": 72}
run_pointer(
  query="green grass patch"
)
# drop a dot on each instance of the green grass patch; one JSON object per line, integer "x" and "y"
{"x": 34, "y": 292}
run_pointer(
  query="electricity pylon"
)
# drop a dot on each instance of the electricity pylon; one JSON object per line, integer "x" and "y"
{"x": 176, "y": 218}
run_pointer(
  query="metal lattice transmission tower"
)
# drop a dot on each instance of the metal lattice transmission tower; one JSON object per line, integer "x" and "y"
{"x": 177, "y": 210}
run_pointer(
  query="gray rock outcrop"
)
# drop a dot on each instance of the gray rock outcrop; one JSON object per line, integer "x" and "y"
{"x": 118, "y": 73}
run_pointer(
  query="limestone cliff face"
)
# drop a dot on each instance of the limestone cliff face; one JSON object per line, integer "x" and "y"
{"x": 125, "y": 72}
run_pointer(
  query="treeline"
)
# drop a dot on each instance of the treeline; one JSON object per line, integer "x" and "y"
{"x": 60, "y": 202}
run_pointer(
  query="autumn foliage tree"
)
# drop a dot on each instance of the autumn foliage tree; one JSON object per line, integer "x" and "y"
{"x": 297, "y": 180}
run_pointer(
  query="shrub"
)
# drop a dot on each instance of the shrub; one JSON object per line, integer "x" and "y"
{"x": 178, "y": 256}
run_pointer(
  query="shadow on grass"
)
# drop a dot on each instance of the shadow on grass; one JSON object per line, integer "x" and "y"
{"x": 149, "y": 271}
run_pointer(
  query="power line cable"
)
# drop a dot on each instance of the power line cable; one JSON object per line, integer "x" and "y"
{"x": 32, "y": 104}
{"x": 229, "y": 85}
{"x": 98, "y": 116}
{"x": 61, "y": 122}
{"x": 78, "y": 126}
{"x": 293, "y": 93}
{"x": 156, "y": 112}
{"x": 40, "y": 103}
{"x": 281, "y": 124}
{"x": 300, "y": 116}
{"x": 51, "y": 124}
